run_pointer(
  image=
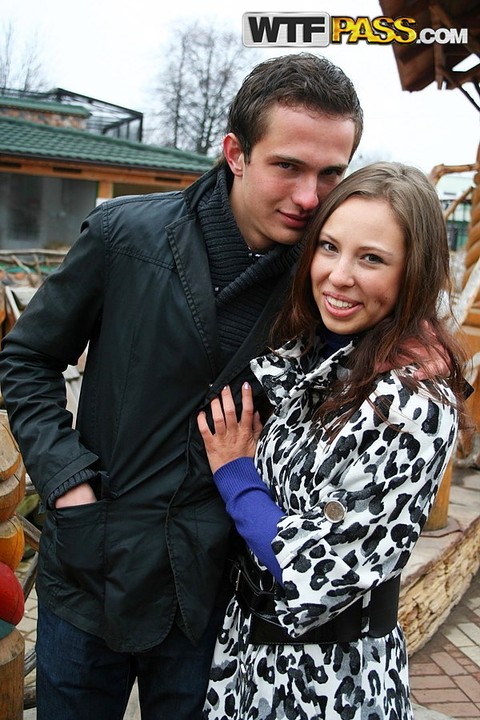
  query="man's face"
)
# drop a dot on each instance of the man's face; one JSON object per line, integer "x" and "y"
{"x": 299, "y": 160}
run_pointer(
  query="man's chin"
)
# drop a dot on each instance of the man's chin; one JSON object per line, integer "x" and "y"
{"x": 290, "y": 239}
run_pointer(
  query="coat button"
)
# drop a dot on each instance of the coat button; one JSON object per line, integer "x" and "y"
{"x": 334, "y": 511}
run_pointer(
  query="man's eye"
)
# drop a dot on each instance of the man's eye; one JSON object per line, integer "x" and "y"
{"x": 333, "y": 171}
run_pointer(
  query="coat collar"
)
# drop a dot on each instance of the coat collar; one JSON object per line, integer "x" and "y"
{"x": 289, "y": 371}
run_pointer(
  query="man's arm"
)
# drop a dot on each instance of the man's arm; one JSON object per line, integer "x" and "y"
{"x": 51, "y": 334}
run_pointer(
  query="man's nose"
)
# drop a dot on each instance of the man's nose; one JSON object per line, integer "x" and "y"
{"x": 306, "y": 194}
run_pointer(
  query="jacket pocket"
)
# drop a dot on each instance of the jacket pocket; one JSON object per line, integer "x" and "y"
{"x": 80, "y": 544}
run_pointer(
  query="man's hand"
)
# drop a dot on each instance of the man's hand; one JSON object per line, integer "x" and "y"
{"x": 80, "y": 495}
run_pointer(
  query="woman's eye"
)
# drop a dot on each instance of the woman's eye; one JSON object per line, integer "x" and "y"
{"x": 328, "y": 246}
{"x": 372, "y": 258}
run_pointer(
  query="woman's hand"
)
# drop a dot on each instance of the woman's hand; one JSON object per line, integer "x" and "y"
{"x": 231, "y": 438}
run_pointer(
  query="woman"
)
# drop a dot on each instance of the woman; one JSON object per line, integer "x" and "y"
{"x": 334, "y": 495}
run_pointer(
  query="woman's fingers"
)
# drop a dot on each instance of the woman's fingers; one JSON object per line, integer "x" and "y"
{"x": 257, "y": 425}
{"x": 247, "y": 403}
{"x": 229, "y": 409}
{"x": 203, "y": 427}
{"x": 224, "y": 414}
{"x": 217, "y": 415}
{"x": 230, "y": 438}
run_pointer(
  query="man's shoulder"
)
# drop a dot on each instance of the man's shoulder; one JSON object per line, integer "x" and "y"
{"x": 166, "y": 206}
{"x": 150, "y": 203}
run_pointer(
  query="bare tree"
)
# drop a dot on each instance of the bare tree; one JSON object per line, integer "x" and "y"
{"x": 20, "y": 68}
{"x": 195, "y": 88}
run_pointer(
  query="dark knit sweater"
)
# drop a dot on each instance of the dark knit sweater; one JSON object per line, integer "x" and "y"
{"x": 242, "y": 280}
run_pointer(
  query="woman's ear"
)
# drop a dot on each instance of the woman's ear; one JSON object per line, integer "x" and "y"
{"x": 233, "y": 154}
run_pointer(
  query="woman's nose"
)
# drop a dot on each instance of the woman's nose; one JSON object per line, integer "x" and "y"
{"x": 342, "y": 273}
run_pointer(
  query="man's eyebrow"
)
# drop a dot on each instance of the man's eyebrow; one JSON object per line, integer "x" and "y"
{"x": 297, "y": 161}
{"x": 288, "y": 158}
{"x": 337, "y": 168}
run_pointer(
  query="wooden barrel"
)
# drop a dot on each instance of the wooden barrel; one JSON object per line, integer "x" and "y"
{"x": 12, "y": 491}
{"x": 12, "y": 542}
{"x": 10, "y": 457}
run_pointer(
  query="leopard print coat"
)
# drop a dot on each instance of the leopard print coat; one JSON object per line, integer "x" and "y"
{"x": 386, "y": 476}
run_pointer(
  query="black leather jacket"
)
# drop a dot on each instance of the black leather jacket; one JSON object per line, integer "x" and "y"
{"x": 136, "y": 288}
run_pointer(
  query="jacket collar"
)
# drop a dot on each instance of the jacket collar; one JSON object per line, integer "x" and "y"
{"x": 191, "y": 260}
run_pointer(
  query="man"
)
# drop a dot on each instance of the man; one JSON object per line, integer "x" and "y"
{"x": 174, "y": 294}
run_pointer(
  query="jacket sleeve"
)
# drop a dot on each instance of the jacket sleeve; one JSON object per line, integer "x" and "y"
{"x": 364, "y": 522}
{"x": 51, "y": 333}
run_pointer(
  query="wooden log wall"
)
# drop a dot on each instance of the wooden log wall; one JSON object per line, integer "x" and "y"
{"x": 473, "y": 240}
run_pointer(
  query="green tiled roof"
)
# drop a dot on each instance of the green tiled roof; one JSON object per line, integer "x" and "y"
{"x": 28, "y": 139}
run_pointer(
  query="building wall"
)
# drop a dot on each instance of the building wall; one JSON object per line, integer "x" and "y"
{"x": 42, "y": 212}
{"x": 449, "y": 188}
{"x": 46, "y": 118}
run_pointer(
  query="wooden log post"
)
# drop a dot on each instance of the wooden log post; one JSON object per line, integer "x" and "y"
{"x": 438, "y": 517}
{"x": 467, "y": 314}
{"x": 12, "y": 657}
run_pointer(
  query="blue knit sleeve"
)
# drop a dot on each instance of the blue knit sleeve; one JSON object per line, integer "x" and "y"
{"x": 252, "y": 509}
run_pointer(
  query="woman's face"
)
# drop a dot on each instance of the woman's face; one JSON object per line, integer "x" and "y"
{"x": 359, "y": 264}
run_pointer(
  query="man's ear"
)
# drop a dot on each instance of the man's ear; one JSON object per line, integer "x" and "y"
{"x": 233, "y": 154}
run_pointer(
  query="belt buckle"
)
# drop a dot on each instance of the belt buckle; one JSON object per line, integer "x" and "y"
{"x": 235, "y": 575}
{"x": 238, "y": 578}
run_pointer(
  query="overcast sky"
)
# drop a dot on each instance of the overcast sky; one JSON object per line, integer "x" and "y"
{"x": 109, "y": 49}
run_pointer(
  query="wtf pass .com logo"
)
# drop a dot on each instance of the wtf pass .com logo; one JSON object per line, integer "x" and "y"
{"x": 321, "y": 29}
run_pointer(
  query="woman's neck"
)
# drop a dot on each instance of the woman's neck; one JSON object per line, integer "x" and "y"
{"x": 334, "y": 341}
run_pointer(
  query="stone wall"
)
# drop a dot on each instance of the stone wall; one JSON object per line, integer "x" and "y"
{"x": 441, "y": 569}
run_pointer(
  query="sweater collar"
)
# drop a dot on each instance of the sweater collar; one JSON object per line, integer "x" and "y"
{"x": 233, "y": 267}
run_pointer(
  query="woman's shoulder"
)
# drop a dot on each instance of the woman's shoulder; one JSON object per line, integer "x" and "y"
{"x": 410, "y": 380}
{"x": 398, "y": 393}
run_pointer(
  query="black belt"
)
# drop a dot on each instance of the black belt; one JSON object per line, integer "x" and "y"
{"x": 249, "y": 582}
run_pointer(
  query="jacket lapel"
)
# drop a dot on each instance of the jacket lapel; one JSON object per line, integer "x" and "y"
{"x": 191, "y": 261}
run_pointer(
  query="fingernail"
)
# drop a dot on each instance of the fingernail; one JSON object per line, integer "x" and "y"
{"x": 246, "y": 386}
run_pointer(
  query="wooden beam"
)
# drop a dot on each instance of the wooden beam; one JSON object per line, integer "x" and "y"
{"x": 98, "y": 173}
{"x": 104, "y": 190}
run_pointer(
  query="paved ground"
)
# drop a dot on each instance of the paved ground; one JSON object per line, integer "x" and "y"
{"x": 445, "y": 673}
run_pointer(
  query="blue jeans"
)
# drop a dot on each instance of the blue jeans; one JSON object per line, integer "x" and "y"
{"x": 80, "y": 678}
